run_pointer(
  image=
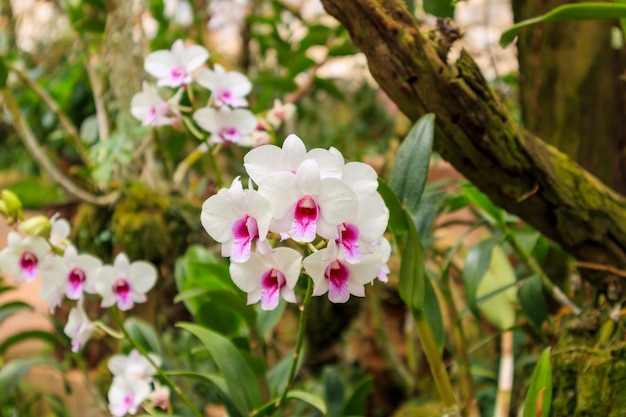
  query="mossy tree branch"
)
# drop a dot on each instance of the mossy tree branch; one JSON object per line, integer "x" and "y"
{"x": 476, "y": 133}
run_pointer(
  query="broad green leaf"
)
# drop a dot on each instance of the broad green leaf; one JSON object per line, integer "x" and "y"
{"x": 207, "y": 377}
{"x": 13, "y": 371}
{"x": 432, "y": 311}
{"x": 334, "y": 393}
{"x": 397, "y": 219}
{"x": 493, "y": 212}
{"x": 143, "y": 333}
{"x": 498, "y": 280}
{"x": 240, "y": 381}
{"x": 578, "y": 11}
{"x": 410, "y": 168}
{"x": 308, "y": 398}
{"x": 8, "y": 309}
{"x": 539, "y": 395}
{"x": 356, "y": 405}
{"x": 411, "y": 276}
{"x": 476, "y": 264}
{"x": 277, "y": 376}
{"x": 533, "y": 302}
{"x": 28, "y": 335}
{"x": 439, "y": 8}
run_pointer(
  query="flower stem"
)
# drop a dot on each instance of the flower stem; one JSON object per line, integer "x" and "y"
{"x": 299, "y": 341}
{"x": 435, "y": 361}
{"x": 160, "y": 371}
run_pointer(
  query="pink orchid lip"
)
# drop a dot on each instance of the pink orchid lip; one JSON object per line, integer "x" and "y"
{"x": 75, "y": 280}
{"x": 228, "y": 134}
{"x": 245, "y": 230}
{"x": 28, "y": 263}
{"x": 306, "y": 213}
{"x": 337, "y": 273}
{"x": 271, "y": 282}
{"x": 121, "y": 288}
{"x": 349, "y": 239}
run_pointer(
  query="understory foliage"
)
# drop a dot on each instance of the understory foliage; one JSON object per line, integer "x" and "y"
{"x": 251, "y": 228}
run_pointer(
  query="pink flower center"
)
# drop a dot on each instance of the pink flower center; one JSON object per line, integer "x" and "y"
{"x": 245, "y": 230}
{"x": 305, "y": 213}
{"x": 337, "y": 273}
{"x": 271, "y": 282}
{"x": 179, "y": 74}
{"x": 75, "y": 280}
{"x": 28, "y": 263}
{"x": 228, "y": 134}
{"x": 224, "y": 97}
{"x": 350, "y": 240}
{"x": 121, "y": 288}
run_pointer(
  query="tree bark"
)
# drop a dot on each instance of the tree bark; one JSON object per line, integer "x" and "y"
{"x": 571, "y": 92}
{"x": 477, "y": 134}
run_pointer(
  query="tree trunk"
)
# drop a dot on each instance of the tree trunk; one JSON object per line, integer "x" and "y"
{"x": 477, "y": 134}
{"x": 571, "y": 92}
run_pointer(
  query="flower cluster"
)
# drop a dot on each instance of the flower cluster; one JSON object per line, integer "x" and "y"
{"x": 225, "y": 117}
{"x": 133, "y": 384}
{"x": 311, "y": 198}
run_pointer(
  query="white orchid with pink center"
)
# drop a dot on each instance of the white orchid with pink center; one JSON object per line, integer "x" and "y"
{"x": 175, "y": 68}
{"x": 228, "y": 88}
{"x": 23, "y": 257}
{"x": 227, "y": 125}
{"x": 125, "y": 283}
{"x": 239, "y": 219}
{"x": 70, "y": 275}
{"x": 314, "y": 199}
{"x": 305, "y": 204}
{"x": 340, "y": 278}
{"x": 266, "y": 277}
{"x": 148, "y": 107}
{"x": 78, "y": 328}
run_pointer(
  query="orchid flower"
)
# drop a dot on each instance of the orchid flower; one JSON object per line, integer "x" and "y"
{"x": 125, "y": 283}
{"x": 22, "y": 257}
{"x": 148, "y": 107}
{"x": 78, "y": 328}
{"x": 174, "y": 68}
{"x": 227, "y": 88}
{"x": 227, "y": 125}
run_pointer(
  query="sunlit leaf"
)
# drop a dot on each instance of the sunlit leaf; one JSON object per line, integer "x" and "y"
{"x": 539, "y": 395}
{"x": 410, "y": 169}
{"x": 578, "y": 11}
{"x": 439, "y": 8}
{"x": 308, "y": 398}
{"x": 499, "y": 280}
{"x": 240, "y": 381}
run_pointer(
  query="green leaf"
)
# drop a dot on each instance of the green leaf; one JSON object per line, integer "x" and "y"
{"x": 476, "y": 264}
{"x": 334, "y": 393}
{"x": 356, "y": 405}
{"x": 143, "y": 333}
{"x": 539, "y": 395}
{"x": 411, "y": 276}
{"x": 432, "y": 311}
{"x": 240, "y": 381}
{"x": 277, "y": 376}
{"x": 439, "y": 8}
{"x": 533, "y": 302}
{"x": 4, "y": 73}
{"x": 12, "y": 372}
{"x": 309, "y": 398}
{"x": 493, "y": 212}
{"x": 499, "y": 281}
{"x": 410, "y": 168}
{"x": 578, "y": 11}
{"x": 28, "y": 335}
{"x": 329, "y": 87}
{"x": 8, "y": 309}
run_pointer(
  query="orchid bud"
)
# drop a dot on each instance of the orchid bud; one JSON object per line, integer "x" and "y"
{"x": 36, "y": 226}
{"x": 12, "y": 207}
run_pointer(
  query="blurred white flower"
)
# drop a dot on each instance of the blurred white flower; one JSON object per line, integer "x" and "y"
{"x": 174, "y": 68}
{"x": 78, "y": 328}
{"x": 227, "y": 125}
{"x": 22, "y": 258}
{"x": 228, "y": 88}
{"x": 148, "y": 107}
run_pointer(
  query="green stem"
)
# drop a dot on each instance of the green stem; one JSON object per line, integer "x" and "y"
{"x": 437, "y": 367}
{"x": 299, "y": 341}
{"x": 535, "y": 268}
{"x": 160, "y": 371}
